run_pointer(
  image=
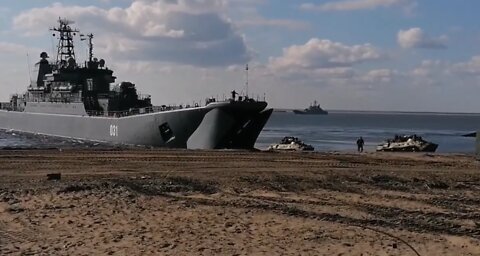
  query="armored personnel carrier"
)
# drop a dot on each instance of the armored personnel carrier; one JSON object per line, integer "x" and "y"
{"x": 291, "y": 144}
{"x": 407, "y": 143}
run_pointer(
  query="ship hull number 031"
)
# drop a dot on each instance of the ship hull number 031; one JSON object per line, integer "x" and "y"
{"x": 113, "y": 130}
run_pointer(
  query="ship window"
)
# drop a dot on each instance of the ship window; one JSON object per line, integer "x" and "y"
{"x": 166, "y": 132}
{"x": 89, "y": 84}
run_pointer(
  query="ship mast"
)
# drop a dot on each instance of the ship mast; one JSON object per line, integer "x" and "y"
{"x": 246, "y": 80}
{"x": 65, "y": 48}
{"x": 90, "y": 45}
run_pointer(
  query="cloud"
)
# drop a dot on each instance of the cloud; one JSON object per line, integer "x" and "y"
{"x": 281, "y": 23}
{"x": 354, "y": 5}
{"x": 445, "y": 73}
{"x": 380, "y": 76}
{"x": 321, "y": 61}
{"x": 187, "y": 32}
{"x": 318, "y": 54}
{"x": 246, "y": 14}
{"x": 16, "y": 49}
{"x": 471, "y": 67}
{"x": 416, "y": 38}
{"x": 428, "y": 68}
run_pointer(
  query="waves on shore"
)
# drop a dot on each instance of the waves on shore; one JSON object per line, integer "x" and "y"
{"x": 21, "y": 140}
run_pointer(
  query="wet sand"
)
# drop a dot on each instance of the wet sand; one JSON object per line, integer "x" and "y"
{"x": 181, "y": 202}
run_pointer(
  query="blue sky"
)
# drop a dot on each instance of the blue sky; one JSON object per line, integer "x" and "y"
{"x": 397, "y": 55}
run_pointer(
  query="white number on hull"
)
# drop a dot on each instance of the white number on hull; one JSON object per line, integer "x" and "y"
{"x": 113, "y": 130}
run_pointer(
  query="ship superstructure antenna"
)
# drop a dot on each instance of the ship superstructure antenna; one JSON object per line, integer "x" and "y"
{"x": 88, "y": 37}
{"x": 246, "y": 79}
{"x": 65, "y": 48}
{"x": 29, "y": 68}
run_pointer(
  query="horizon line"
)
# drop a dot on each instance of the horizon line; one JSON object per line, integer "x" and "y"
{"x": 383, "y": 111}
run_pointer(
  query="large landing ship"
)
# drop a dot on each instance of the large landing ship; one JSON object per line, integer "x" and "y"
{"x": 314, "y": 109}
{"x": 82, "y": 101}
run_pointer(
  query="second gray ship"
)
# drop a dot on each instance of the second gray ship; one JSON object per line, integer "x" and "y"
{"x": 314, "y": 109}
{"x": 82, "y": 101}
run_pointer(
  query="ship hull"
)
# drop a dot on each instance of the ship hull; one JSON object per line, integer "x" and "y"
{"x": 162, "y": 129}
{"x": 234, "y": 125}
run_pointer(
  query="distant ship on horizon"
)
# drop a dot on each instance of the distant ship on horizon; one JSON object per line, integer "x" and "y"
{"x": 313, "y": 109}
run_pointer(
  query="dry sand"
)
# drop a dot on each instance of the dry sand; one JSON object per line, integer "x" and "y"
{"x": 180, "y": 202}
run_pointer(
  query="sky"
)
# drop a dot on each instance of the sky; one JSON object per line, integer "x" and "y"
{"x": 381, "y": 55}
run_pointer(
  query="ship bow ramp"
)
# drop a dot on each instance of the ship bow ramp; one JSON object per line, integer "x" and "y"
{"x": 232, "y": 125}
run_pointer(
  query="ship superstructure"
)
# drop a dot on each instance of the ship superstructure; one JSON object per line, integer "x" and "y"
{"x": 81, "y": 100}
{"x": 87, "y": 84}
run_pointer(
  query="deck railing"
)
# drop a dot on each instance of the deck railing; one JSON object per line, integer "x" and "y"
{"x": 137, "y": 111}
{"x": 5, "y": 106}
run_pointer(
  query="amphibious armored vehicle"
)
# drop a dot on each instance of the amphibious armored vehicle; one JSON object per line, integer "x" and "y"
{"x": 291, "y": 144}
{"x": 407, "y": 143}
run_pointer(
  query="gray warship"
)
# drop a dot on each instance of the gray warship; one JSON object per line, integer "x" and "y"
{"x": 313, "y": 109}
{"x": 82, "y": 101}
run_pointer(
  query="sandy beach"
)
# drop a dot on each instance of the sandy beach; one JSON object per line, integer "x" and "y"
{"x": 182, "y": 202}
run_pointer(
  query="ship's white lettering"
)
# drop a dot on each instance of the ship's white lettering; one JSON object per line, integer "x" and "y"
{"x": 113, "y": 130}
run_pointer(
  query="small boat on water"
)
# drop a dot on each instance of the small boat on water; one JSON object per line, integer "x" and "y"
{"x": 291, "y": 144}
{"x": 313, "y": 109}
{"x": 472, "y": 134}
{"x": 407, "y": 143}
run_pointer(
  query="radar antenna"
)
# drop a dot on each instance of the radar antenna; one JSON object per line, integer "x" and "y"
{"x": 88, "y": 37}
{"x": 65, "y": 48}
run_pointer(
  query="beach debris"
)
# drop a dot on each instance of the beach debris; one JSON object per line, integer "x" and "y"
{"x": 387, "y": 179}
{"x": 15, "y": 209}
{"x": 437, "y": 185}
{"x": 75, "y": 188}
{"x": 54, "y": 176}
{"x": 8, "y": 198}
{"x": 151, "y": 186}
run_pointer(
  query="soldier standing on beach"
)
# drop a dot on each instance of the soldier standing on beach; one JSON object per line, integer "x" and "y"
{"x": 360, "y": 143}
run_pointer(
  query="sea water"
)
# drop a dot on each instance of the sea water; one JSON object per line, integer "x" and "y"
{"x": 337, "y": 131}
